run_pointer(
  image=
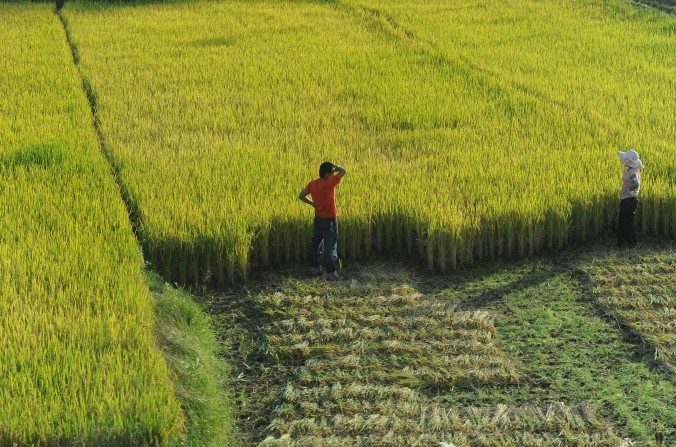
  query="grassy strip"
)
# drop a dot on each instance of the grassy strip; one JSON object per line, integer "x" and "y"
{"x": 78, "y": 360}
{"x": 192, "y": 351}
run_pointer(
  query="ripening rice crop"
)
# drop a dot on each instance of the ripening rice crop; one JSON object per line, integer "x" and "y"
{"x": 218, "y": 113}
{"x": 608, "y": 62}
{"x": 78, "y": 363}
{"x": 360, "y": 367}
{"x": 640, "y": 290}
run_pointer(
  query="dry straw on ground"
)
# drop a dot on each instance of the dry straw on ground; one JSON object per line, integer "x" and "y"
{"x": 362, "y": 369}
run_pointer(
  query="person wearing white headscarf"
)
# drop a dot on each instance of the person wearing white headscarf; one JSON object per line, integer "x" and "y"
{"x": 631, "y": 186}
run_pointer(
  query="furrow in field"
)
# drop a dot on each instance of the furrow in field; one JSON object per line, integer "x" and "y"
{"x": 90, "y": 93}
{"x": 78, "y": 359}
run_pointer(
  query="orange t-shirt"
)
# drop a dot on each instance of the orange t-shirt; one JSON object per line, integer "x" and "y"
{"x": 323, "y": 192}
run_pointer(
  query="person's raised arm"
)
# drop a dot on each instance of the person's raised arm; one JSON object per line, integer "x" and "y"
{"x": 302, "y": 196}
{"x": 339, "y": 170}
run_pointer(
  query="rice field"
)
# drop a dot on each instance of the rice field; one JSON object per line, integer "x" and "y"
{"x": 217, "y": 120}
{"x": 361, "y": 365}
{"x": 467, "y": 134}
{"x": 79, "y": 363}
{"x": 507, "y": 353}
{"x": 640, "y": 291}
{"x": 607, "y": 62}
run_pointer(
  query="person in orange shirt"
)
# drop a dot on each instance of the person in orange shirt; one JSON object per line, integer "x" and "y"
{"x": 323, "y": 193}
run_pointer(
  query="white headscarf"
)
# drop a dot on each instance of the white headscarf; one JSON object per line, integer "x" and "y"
{"x": 631, "y": 159}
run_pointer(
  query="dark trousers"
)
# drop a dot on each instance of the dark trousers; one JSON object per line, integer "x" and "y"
{"x": 626, "y": 233}
{"x": 325, "y": 230}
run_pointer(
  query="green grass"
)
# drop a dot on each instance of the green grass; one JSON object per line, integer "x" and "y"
{"x": 79, "y": 364}
{"x": 569, "y": 352}
{"x": 547, "y": 321}
{"x": 201, "y": 377}
{"x": 638, "y": 288}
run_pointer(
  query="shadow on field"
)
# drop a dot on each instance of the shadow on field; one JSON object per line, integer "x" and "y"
{"x": 484, "y": 298}
{"x": 214, "y": 42}
{"x": 41, "y": 155}
{"x": 668, "y": 6}
{"x": 567, "y": 346}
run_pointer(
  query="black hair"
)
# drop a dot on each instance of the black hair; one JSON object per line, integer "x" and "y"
{"x": 326, "y": 168}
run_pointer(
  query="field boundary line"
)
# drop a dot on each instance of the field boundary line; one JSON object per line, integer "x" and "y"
{"x": 655, "y": 6}
{"x": 132, "y": 208}
{"x": 471, "y": 67}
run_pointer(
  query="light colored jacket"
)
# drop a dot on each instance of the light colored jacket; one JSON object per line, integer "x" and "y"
{"x": 631, "y": 183}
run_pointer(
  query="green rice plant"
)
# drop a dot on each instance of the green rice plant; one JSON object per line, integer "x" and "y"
{"x": 78, "y": 360}
{"x": 457, "y": 149}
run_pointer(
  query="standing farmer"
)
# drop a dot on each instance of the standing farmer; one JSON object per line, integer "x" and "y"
{"x": 631, "y": 185}
{"x": 323, "y": 192}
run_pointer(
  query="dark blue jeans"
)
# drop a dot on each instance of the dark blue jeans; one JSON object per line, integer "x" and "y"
{"x": 325, "y": 230}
